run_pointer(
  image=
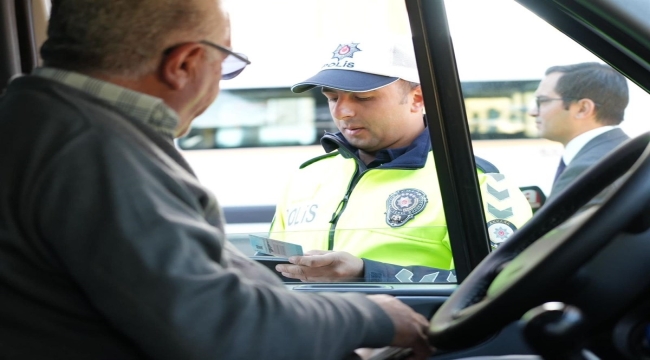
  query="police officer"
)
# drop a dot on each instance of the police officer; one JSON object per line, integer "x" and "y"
{"x": 371, "y": 207}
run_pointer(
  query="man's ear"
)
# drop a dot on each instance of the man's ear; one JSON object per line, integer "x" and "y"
{"x": 585, "y": 108}
{"x": 417, "y": 101}
{"x": 180, "y": 65}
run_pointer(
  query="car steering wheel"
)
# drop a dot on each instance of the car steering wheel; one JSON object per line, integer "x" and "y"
{"x": 562, "y": 236}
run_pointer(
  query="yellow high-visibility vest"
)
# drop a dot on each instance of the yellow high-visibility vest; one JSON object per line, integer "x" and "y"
{"x": 389, "y": 215}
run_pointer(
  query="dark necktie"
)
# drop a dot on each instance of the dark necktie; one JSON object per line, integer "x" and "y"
{"x": 560, "y": 168}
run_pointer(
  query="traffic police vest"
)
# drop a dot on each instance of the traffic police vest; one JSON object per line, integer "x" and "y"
{"x": 389, "y": 215}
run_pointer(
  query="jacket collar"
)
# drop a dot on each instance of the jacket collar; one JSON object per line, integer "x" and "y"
{"x": 413, "y": 156}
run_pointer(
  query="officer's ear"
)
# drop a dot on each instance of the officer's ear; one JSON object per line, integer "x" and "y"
{"x": 415, "y": 98}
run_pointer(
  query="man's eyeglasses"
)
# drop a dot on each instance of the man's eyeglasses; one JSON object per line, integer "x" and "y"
{"x": 232, "y": 65}
{"x": 540, "y": 100}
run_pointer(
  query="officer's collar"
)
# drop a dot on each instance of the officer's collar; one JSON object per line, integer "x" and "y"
{"x": 413, "y": 156}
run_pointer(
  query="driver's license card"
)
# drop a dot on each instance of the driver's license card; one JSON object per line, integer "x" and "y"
{"x": 274, "y": 247}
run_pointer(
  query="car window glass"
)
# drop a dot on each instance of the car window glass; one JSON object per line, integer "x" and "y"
{"x": 501, "y": 58}
{"x": 248, "y": 144}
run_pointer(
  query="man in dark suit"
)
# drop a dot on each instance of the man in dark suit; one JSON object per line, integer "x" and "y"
{"x": 581, "y": 106}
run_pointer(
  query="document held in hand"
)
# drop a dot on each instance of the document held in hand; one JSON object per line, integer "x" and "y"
{"x": 274, "y": 247}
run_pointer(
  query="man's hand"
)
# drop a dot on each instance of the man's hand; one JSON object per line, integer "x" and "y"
{"x": 323, "y": 266}
{"x": 411, "y": 328}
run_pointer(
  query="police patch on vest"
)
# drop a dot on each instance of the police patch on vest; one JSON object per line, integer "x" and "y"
{"x": 499, "y": 230}
{"x": 403, "y": 205}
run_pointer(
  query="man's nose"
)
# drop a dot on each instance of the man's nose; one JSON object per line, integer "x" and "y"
{"x": 533, "y": 111}
{"x": 343, "y": 109}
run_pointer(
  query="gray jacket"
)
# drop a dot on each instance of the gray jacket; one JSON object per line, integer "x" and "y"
{"x": 111, "y": 249}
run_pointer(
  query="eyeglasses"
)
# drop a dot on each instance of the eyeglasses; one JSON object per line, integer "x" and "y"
{"x": 231, "y": 66}
{"x": 541, "y": 100}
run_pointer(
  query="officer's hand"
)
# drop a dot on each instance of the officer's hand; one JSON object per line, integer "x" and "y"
{"x": 323, "y": 266}
{"x": 411, "y": 328}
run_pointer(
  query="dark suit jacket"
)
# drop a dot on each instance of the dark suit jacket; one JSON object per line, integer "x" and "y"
{"x": 590, "y": 154}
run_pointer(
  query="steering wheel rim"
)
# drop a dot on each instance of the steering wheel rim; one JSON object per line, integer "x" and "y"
{"x": 553, "y": 245}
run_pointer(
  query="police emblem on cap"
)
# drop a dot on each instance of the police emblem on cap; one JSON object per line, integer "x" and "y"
{"x": 499, "y": 230}
{"x": 345, "y": 51}
{"x": 403, "y": 205}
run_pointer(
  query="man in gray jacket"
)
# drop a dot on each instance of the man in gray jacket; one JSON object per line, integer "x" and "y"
{"x": 109, "y": 246}
{"x": 580, "y": 106}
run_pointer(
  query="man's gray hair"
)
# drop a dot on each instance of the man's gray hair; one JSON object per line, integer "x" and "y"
{"x": 119, "y": 37}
